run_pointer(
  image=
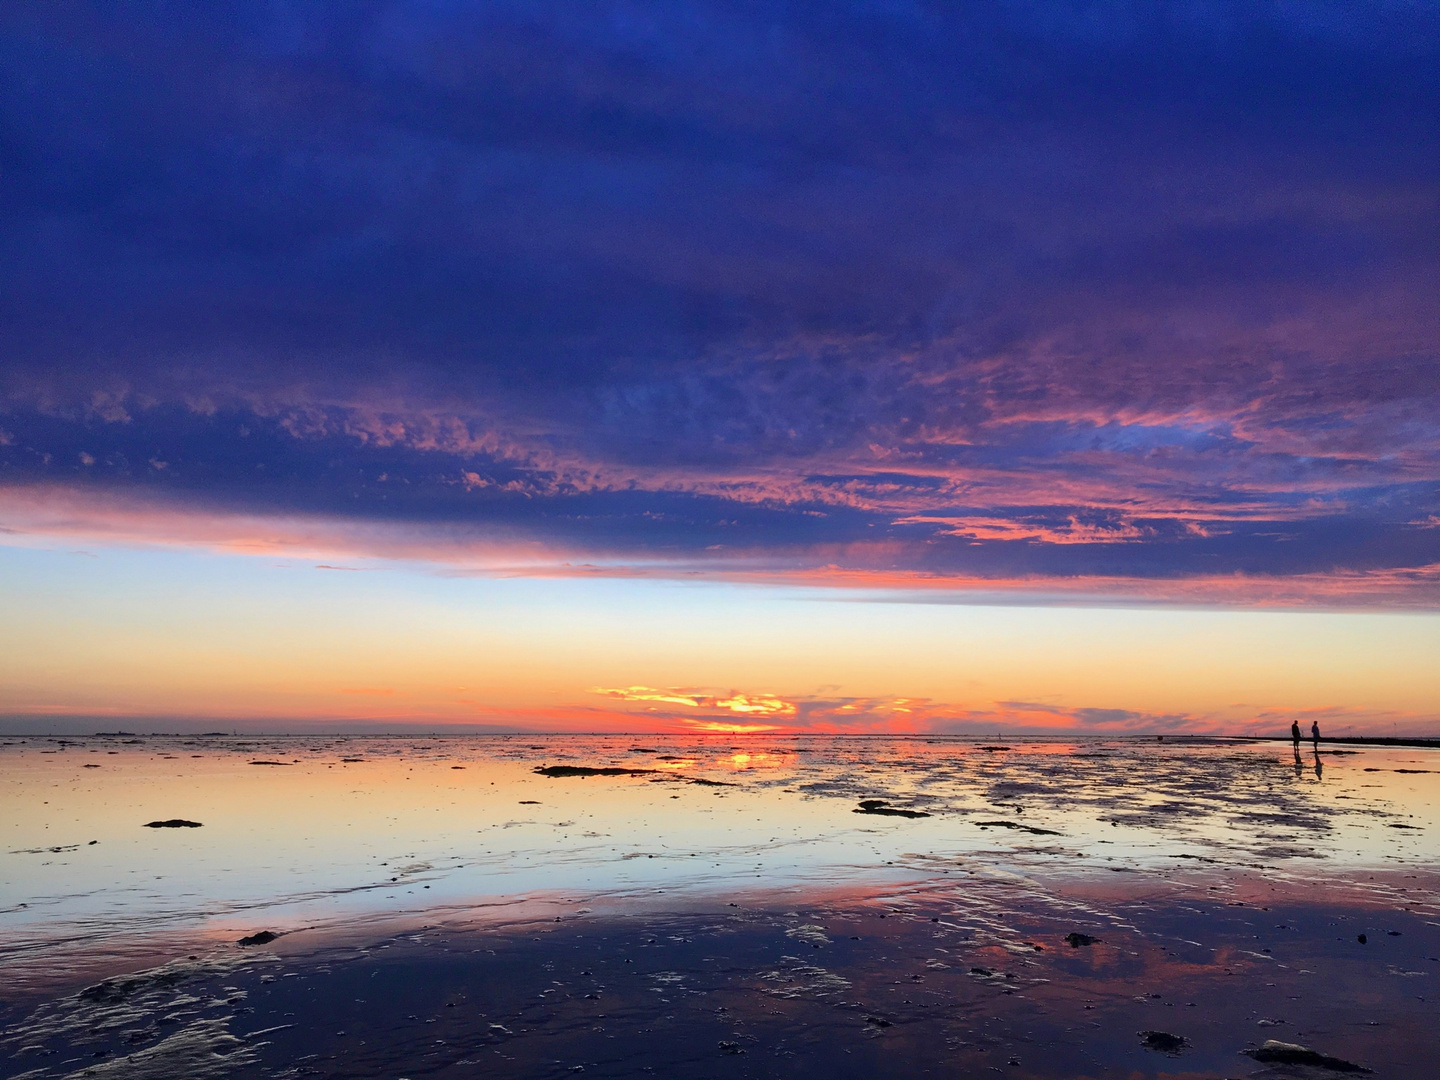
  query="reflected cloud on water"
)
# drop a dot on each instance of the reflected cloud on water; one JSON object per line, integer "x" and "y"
{"x": 1029, "y": 906}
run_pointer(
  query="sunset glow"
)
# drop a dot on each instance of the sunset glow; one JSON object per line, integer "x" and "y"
{"x": 836, "y": 539}
{"x": 803, "y": 383}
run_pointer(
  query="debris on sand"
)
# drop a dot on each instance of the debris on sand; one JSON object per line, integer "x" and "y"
{"x": 264, "y": 937}
{"x": 147, "y": 988}
{"x": 1283, "y": 1053}
{"x": 810, "y": 933}
{"x": 1016, "y": 825}
{"x": 1162, "y": 1042}
{"x": 173, "y": 823}
{"x": 728, "y": 1047}
{"x": 678, "y": 778}
{"x": 205, "y": 1050}
{"x": 1077, "y": 939}
{"x": 999, "y": 977}
{"x": 880, "y": 806}
{"x": 586, "y": 770}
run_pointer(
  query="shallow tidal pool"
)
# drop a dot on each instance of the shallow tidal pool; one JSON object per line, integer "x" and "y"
{"x": 616, "y": 906}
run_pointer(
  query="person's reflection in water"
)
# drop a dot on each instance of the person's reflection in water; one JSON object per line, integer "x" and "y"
{"x": 1319, "y": 768}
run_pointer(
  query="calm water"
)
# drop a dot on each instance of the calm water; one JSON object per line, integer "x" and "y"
{"x": 338, "y": 843}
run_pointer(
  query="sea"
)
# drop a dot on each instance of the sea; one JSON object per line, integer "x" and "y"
{"x": 716, "y": 905}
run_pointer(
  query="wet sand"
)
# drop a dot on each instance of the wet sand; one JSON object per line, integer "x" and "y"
{"x": 1068, "y": 909}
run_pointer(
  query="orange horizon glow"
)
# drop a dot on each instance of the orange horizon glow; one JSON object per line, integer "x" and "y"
{"x": 926, "y": 718}
{"x": 180, "y": 633}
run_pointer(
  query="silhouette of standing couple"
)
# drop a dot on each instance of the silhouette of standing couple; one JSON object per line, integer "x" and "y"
{"x": 1314, "y": 739}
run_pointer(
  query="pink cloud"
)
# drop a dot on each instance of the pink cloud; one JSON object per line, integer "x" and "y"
{"x": 35, "y": 514}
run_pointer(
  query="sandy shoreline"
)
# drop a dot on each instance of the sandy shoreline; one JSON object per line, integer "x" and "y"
{"x": 1058, "y": 902}
{"x": 975, "y": 974}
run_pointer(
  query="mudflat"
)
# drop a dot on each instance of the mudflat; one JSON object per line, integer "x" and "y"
{"x": 1067, "y": 908}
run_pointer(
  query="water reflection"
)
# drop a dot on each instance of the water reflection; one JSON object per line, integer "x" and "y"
{"x": 308, "y": 831}
{"x": 992, "y": 973}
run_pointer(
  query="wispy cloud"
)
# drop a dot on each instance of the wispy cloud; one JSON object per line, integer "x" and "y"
{"x": 757, "y": 705}
{"x": 895, "y": 568}
{"x": 967, "y": 294}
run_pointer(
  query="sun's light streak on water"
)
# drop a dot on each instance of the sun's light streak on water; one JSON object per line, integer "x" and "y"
{"x": 306, "y": 831}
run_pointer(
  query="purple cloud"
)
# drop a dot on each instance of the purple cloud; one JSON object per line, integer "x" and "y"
{"x": 1136, "y": 297}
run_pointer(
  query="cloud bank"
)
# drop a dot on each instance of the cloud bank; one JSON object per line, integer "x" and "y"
{"x": 1118, "y": 300}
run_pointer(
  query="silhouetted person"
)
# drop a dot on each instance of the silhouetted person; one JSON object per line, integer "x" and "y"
{"x": 1295, "y": 734}
{"x": 1315, "y": 734}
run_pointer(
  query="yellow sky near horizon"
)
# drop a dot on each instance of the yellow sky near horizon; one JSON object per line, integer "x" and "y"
{"x": 140, "y": 632}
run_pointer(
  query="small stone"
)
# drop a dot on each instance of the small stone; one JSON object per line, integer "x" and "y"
{"x": 880, "y": 806}
{"x": 1163, "y": 1042}
{"x": 1283, "y": 1053}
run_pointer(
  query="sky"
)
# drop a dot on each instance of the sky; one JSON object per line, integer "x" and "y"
{"x": 721, "y": 363}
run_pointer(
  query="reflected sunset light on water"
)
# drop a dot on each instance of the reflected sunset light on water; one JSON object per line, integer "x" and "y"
{"x": 700, "y": 539}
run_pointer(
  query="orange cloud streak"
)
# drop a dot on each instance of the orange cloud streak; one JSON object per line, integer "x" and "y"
{"x": 748, "y": 704}
{"x": 30, "y": 514}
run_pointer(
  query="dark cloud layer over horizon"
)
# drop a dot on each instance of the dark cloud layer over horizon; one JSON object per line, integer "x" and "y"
{"x": 1013, "y": 292}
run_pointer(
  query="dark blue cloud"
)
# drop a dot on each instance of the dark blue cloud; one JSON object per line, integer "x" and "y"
{"x": 1004, "y": 288}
